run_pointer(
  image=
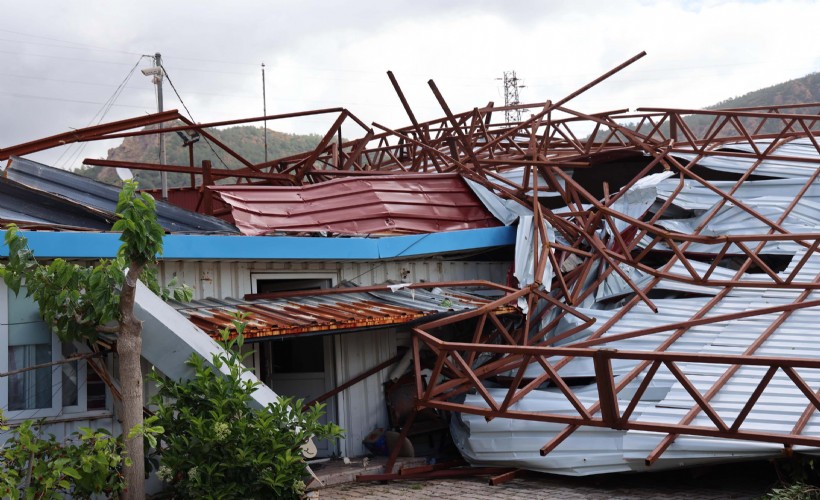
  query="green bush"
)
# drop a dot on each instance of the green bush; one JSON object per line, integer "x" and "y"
{"x": 794, "y": 491}
{"x": 215, "y": 445}
{"x": 34, "y": 467}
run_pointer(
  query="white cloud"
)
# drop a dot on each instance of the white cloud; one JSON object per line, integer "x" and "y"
{"x": 61, "y": 60}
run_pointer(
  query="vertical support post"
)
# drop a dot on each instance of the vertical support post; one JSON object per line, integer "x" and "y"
{"x": 673, "y": 127}
{"x": 207, "y": 182}
{"x": 610, "y": 413}
{"x": 338, "y": 152}
{"x": 191, "y": 163}
{"x": 264, "y": 113}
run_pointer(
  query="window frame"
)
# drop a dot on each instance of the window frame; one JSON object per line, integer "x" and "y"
{"x": 257, "y": 276}
{"x": 56, "y": 409}
{"x": 56, "y": 371}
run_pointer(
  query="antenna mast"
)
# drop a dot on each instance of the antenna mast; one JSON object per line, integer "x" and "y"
{"x": 264, "y": 113}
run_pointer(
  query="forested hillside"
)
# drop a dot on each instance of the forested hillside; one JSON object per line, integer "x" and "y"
{"x": 248, "y": 141}
{"x": 798, "y": 91}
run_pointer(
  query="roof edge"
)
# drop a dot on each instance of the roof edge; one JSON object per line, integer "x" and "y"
{"x": 85, "y": 245}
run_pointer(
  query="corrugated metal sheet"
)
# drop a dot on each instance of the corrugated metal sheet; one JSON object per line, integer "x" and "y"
{"x": 327, "y": 313}
{"x": 389, "y": 204}
{"x": 797, "y": 148}
{"x": 28, "y": 208}
{"x": 696, "y": 196}
{"x": 100, "y": 197}
{"x": 601, "y": 450}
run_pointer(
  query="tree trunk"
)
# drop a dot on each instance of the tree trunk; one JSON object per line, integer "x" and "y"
{"x": 129, "y": 349}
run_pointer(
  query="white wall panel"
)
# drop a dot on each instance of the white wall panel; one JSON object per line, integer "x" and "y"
{"x": 233, "y": 279}
{"x": 362, "y": 407}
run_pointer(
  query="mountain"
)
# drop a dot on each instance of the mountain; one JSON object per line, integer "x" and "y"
{"x": 246, "y": 140}
{"x": 797, "y": 91}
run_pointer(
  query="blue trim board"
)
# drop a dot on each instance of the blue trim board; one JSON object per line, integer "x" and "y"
{"x": 89, "y": 245}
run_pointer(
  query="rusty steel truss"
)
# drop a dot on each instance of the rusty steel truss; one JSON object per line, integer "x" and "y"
{"x": 572, "y": 175}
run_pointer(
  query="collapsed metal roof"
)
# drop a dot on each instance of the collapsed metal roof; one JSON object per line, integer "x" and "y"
{"x": 668, "y": 271}
{"x": 28, "y": 208}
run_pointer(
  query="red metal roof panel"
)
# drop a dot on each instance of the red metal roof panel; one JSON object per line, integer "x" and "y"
{"x": 390, "y": 204}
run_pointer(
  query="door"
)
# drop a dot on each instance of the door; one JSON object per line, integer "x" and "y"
{"x": 299, "y": 367}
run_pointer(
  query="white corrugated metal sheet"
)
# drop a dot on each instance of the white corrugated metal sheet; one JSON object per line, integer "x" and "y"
{"x": 597, "y": 450}
{"x": 797, "y": 148}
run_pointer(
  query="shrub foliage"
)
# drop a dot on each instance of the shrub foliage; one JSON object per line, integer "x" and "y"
{"x": 217, "y": 445}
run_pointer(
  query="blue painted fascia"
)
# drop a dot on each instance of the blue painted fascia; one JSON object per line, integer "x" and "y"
{"x": 88, "y": 245}
{"x": 451, "y": 241}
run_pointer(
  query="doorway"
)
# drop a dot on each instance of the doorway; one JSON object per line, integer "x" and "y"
{"x": 301, "y": 367}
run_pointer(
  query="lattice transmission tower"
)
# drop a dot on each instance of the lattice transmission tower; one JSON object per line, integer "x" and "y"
{"x": 511, "y": 85}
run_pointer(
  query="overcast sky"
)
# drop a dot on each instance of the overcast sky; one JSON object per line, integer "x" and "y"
{"x": 61, "y": 61}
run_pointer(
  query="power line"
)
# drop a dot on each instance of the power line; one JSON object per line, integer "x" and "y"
{"x": 49, "y": 56}
{"x": 78, "y": 101}
{"x": 191, "y": 116}
{"x": 102, "y": 112}
{"x": 78, "y": 45}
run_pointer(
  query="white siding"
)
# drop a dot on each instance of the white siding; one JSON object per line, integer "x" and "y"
{"x": 64, "y": 425}
{"x": 362, "y": 407}
{"x": 233, "y": 279}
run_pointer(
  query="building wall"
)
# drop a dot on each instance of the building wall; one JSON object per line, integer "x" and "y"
{"x": 234, "y": 279}
{"x": 361, "y": 408}
{"x": 19, "y": 316}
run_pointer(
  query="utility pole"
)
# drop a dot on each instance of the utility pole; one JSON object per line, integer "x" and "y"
{"x": 511, "y": 86}
{"x": 157, "y": 73}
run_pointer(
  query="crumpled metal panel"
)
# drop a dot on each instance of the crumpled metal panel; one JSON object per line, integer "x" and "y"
{"x": 391, "y": 204}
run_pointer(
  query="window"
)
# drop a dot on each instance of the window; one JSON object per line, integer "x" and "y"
{"x": 289, "y": 282}
{"x": 29, "y": 390}
{"x": 49, "y": 390}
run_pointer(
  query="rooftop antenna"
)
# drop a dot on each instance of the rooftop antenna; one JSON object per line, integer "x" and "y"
{"x": 511, "y": 86}
{"x": 264, "y": 113}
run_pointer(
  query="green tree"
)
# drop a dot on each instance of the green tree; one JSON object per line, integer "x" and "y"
{"x": 79, "y": 302}
{"x": 217, "y": 445}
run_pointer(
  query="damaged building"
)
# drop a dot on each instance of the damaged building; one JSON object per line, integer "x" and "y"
{"x": 576, "y": 293}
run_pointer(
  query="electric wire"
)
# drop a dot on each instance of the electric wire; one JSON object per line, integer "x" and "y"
{"x": 75, "y": 150}
{"x": 191, "y": 116}
{"x": 382, "y": 264}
